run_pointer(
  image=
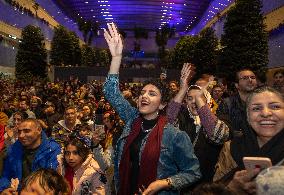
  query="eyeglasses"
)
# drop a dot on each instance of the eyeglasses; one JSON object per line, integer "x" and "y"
{"x": 246, "y": 78}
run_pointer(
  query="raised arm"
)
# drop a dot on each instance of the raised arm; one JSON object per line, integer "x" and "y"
{"x": 114, "y": 41}
{"x": 217, "y": 131}
{"x": 187, "y": 73}
{"x": 111, "y": 86}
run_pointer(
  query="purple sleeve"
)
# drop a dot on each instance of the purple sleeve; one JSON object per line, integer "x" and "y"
{"x": 207, "y": 118}
{"x": 172, "y": 111}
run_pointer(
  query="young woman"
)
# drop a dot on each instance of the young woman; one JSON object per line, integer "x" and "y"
{"x": 150, "y": 156}
{"x": 195, "y": 117}
{"x": 80, "y": 169}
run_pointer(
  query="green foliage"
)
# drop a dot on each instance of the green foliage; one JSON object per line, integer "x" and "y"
{"x": 103, "y": 57}
{"x": 76, "y": 52}
{"x": 88, "y": 56}
{"x": 93, "y": 56}
{"x": 184, "y": 51}
{"x": 245, "y": 39}
{"x": 31, "y": 58}
{"x": 205, "y": 52}
{"x": 65, "y": 48}
{"x": 162, "y": 37}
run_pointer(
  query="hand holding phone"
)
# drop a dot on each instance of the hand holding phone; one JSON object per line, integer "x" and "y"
{"x": 252, "y": 163}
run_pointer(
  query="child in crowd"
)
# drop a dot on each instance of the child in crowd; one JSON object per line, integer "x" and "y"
{"x": 79, "y": 168}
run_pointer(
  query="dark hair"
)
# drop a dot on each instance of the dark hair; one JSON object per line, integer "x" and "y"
{"x": 193, "y": 87}
{"x": 238, "y": 72}
{"x": 278, "y": 72}
{"x": 212, "y": 189}
{"x": 163, "y": 88}
{"x": 48, "y": 179}
{"x": 82, "y": 148}
{"x": 23, "y": 115}
{"x": 34, "y": 121}
{"x": 218, "y": 85}
{"x": 70, "y": 107}
{"x": 261, "y": 90}
{"x": 81, "y": 126}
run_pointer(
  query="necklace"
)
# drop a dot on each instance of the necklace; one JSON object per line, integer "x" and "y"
{"x": 147, "y": 130}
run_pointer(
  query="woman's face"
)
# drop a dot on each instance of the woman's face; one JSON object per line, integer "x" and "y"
{"x": 17, "y": 119}
{"x": 266, "y": 114}
{"x": 190, "y": 101}
{"x": 149, "y": 101}
{"x": 173, "y": 87}
{"x": 72, "y": 157}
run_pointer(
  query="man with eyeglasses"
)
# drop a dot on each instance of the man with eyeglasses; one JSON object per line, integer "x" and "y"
{"x": 234, "y": 108}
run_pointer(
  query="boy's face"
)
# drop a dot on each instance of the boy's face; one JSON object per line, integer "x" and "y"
{"x": 84, "y": 132}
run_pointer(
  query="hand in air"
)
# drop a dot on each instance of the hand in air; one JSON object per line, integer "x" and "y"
{"x": 187, "y": 73}
{"x": 113, "y": 39}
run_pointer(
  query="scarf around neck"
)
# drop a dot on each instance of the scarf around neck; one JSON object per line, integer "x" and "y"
{"x": 149, "y": 156}
{"x": 247, "y": 146}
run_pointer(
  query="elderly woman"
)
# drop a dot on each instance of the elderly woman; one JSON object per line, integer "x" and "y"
{"x": 150, "y": 156}
{"x": 265, "y": 111}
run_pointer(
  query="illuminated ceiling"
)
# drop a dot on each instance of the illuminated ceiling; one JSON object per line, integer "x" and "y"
{"x": 148, "y": 14}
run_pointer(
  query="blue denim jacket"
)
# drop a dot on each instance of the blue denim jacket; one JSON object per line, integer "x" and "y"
{"x": 177, "y": 160}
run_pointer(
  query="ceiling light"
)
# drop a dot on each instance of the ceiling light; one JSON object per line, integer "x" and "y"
{"x": 86, "y": 2}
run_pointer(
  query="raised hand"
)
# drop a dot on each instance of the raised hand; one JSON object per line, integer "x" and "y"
{"x": 187, "y": 73}
{"x": 113, "y": 39}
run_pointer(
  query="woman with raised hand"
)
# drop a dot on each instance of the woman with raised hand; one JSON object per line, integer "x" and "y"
{"x": 206, "y": 131}
{"x": 151, "y": 157}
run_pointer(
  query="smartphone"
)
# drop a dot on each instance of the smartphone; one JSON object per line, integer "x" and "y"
{"x": 256, "y": 162}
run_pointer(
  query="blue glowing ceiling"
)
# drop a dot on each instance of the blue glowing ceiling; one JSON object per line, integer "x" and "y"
{"x": 148, "y": 14}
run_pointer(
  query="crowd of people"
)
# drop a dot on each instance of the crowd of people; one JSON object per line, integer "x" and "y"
{"x": 157, "y": 137}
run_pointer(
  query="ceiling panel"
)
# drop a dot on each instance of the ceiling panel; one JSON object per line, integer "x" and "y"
{"x": 148, "y": 14}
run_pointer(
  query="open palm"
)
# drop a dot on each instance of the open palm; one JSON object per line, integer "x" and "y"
{"x": 114, "y": 40}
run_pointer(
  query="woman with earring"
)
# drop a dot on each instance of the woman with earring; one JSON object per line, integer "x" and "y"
{"x": 151, "y": 157}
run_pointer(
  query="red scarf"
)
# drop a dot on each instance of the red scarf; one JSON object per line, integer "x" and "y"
{"x": 69, "y": 175}
{"x": 149, "y": 156}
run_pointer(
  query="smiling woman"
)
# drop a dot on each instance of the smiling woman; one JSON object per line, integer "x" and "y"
{"x": 151, "y": 156}
{"x": 265, "y": 111}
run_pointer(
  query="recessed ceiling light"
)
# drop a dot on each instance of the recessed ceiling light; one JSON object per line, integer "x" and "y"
{"x": 86, "y": 2}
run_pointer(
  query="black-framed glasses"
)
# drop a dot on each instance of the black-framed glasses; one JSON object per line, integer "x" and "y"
{"x": 246, "y": 78}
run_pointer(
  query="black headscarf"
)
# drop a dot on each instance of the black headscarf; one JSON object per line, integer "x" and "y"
{"x": 247, "y": 146}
